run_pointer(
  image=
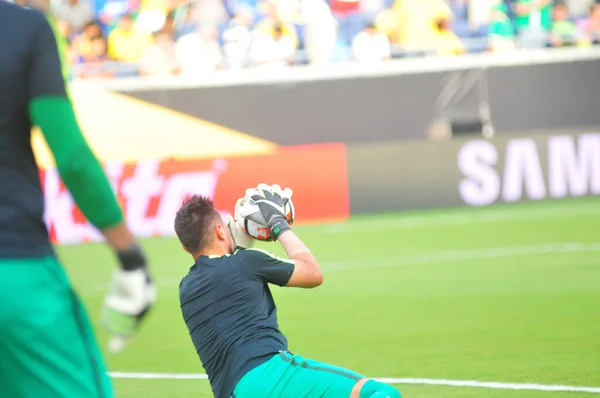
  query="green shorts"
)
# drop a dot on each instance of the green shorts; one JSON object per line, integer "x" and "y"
{"x": 47, "y": 346}
{"x": 292, "y": 376}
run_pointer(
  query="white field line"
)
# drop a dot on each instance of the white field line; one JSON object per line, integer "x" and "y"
{"x": 468, "y": 255}
{"x": 429, "y": 258}
{"x": 389, "y": 380}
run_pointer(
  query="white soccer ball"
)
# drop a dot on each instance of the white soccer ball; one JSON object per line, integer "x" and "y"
{"x": 259, "y": 230}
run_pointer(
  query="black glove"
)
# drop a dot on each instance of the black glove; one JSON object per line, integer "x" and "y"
{"x": 272, "y": 209}
{"x": 132, "y": 258}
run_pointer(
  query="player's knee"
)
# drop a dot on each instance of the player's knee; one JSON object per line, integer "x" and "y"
{"x": 375, "y": 389}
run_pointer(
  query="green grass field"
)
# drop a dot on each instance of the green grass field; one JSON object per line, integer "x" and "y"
{"x": 505, "y": 294}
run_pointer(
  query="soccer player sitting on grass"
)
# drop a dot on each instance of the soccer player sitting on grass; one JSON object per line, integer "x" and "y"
{"x": 47, "y": 346}
{"x": 230, "y": 312}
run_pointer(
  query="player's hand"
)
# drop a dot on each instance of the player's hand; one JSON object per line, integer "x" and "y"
{"x": 270, "y": 200}
{"x": 131, "y": 294}
{"x": 241, "y": 239}
{"x": 286, "y": 195}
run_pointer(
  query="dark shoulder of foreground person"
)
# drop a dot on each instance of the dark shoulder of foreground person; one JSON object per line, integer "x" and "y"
{"x": 27, "y": 41}
{"x": 23, "y": 22}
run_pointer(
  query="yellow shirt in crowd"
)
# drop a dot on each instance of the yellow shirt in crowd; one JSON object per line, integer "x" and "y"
{"x": 448, "y": 44}
{"x": 127, "y": 45}
{"x": 416, "y": 21}
{"x": 387, "y": 23}
{"x": 286, "y": 30}
{"x": 154, "y": 5}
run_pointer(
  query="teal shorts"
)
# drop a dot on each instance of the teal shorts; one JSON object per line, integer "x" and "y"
{"x": 292, "y": 376}
{"x": 47, "y": 346}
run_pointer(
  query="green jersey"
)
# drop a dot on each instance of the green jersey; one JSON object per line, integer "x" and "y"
{"x": 538, "y": 18}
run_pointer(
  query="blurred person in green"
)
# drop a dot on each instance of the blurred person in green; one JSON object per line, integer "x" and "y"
{"x": 564, "y": 32}
{"x": 501, "y": 30}
{"x": 533, "y": 14}
{"x": 500, "y": 23}
{"x": 533, "y": 21}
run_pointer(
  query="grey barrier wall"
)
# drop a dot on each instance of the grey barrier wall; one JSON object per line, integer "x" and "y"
{"x": 545, "y": 96}
{"x": 472, "y": 172}
{"x": 313, "y": 112}
{"x": 522, "y": 97}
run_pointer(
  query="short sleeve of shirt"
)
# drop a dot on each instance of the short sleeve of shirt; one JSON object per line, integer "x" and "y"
{"x": 45, "y": 77}
{"x": 268, "y": 267}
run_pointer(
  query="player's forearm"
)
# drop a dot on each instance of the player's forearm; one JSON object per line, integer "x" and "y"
{"x": 129, "y": 253}
{"x": 78, "y": 167}
{"x": 292, "y": 245}
{"x": 311, "y": 275}
{"x": 119, "y": 237}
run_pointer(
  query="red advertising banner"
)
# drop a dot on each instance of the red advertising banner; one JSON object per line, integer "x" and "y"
{"x": 152, "y": 191}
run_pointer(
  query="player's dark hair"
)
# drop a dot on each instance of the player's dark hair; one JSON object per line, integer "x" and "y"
{"x": 193, "y": 223}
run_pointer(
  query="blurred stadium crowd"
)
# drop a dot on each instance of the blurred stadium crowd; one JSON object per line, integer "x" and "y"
{"x": 113, "y": 38}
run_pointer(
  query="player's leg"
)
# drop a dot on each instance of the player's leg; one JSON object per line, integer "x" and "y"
{"x": 264, "y": 380}
{"x": 47, "y": 347}
{"x": 291, "y": 376}
{"x": 337, "y": 381}
{"x": 368, "y": 388}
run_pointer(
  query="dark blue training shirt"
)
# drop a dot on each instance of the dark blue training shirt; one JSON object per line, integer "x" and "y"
{"x": 29, "y": 68}
{"x": 230, "y": 313}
